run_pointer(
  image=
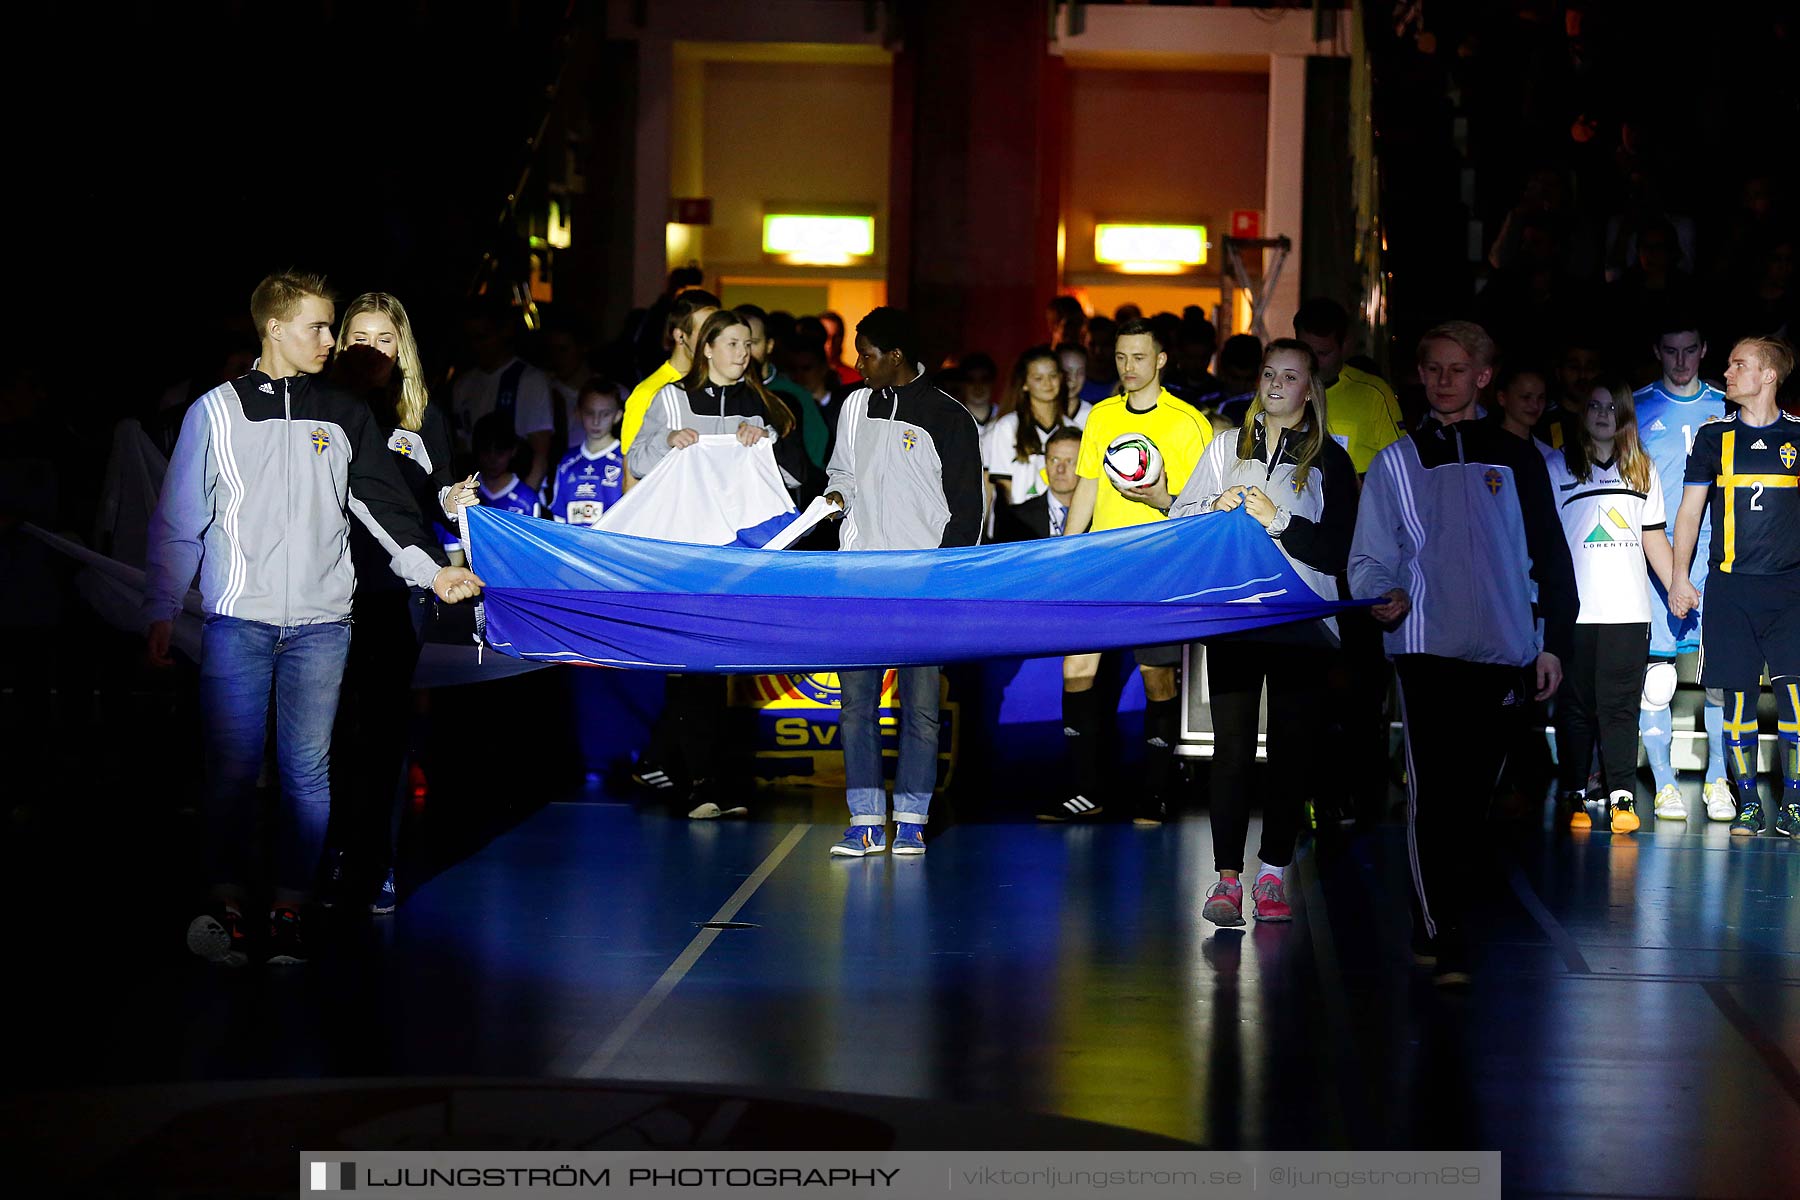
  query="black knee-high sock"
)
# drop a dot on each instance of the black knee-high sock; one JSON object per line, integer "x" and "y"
{"x": 1162, "y": 728}
{"x": 1081, "y": 728}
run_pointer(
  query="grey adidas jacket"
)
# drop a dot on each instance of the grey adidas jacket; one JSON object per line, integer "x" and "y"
{"x": 714, "y": 409}
{"x": 258, "y": 499}
{"x": 908, "y": 465}
{"x": 1463, "y": 518}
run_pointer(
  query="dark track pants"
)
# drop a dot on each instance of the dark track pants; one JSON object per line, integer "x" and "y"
{"x": 1457, "y": 716}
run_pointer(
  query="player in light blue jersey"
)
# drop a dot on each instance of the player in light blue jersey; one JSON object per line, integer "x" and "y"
{"x": 1670, "y": 413}
{"x": 591, "y": 478}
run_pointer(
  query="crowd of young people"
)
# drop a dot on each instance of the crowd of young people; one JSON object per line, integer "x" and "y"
{"x": 1515, "y": 553}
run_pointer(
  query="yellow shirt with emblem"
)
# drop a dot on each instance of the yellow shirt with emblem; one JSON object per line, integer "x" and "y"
{"x": 1362, "y": 415}
{"x": 1177, "y": 428}
{"x": 638, "y": 403}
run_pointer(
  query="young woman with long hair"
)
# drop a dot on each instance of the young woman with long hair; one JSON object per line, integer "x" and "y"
{"x": 378, "y": 358}
{"x": 1609, "y": 495}
{"x": 718, "y": 395}
{"x": 1041, "y": 403}
{"x": 1285, "y": 471}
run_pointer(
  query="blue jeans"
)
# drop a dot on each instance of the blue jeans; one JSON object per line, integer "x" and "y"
{"x": 240, "y": 661}
{"x": 859, "y": 731}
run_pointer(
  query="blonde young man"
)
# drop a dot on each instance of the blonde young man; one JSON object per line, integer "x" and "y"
{"x": 1456, "y": 523}
{"x": 266, "y": 475}
{"x": 1181, "y": 434}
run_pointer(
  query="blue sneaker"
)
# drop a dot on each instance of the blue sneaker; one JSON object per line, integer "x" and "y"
{"x": 909, "y": 838}
{"x": 387, "y": 897}
{"x": 860, "y": 840}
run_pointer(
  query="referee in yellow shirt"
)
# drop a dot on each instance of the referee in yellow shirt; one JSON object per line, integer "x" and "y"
{"x": 1181, "y": 434}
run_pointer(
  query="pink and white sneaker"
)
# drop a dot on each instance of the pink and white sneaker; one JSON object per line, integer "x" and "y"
{"x": 1225, "y": 903}
{"x": 1271, "y": 900}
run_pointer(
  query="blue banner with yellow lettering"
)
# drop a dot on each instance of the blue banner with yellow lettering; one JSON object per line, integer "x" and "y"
{"x": 558, "y": 593}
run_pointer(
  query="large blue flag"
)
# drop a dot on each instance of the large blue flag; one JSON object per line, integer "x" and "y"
{"x": 559, "y": 593}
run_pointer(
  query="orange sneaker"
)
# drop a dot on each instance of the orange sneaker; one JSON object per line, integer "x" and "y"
{"x": 1624, "y": 820}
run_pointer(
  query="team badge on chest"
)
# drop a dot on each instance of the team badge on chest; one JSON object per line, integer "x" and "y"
{"x": 1492, "y": 479}
{"x": 1787, "y": 455}
{"x": 321, "y": 441}
{"x": 909, "y": 439}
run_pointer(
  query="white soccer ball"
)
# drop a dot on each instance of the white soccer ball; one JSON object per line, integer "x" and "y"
{"x": 1132, "y": 461}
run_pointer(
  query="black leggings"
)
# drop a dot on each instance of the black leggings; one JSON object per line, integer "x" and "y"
{"x": 1601, "y": 687}
{"x": 369, "y": 742}
{"x": 1236, "y": 671}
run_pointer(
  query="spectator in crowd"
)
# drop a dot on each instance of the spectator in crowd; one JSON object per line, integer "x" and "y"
{"x": 1074, "y": 363}
{"x": 1544, "y": 204}
{"x": 906, "y": 474}
{"x": 1766, "y": 303}
{"x": 1127, "y": 312}
{"x": 1520, "y": 395}
{"x": 833, "y": 326}
{"x": 291, "y": 458}
{"x": 1609, "y": 496}
{"x": 1578, "y": 364}
{"x": 974, "y": 386}
{"x": 808, "y": 368}
{"x": 686, "y": 314}
{"x": 1455, "y": 500}
{"x": 1365, "y": 413}
{"x": 566, "y": 363}
{"x": 1655, "y": 284}
{"x": 813, "y": 430}
{"x": 1536, "y": 294}
{"x": 1670, "y": 413}
{"x": 1239, "y": 361}
{"x": 1045, "y": 514}
{"x": 1066, "y": 321}
{"x": 1103, "y": 379}
{"x": 499, "y": 381}
{"x": 1745, "y": 468}
{"x": 378, "y": 360}
{"x": 1286, "y": 472}
{"x": 591, "y": 478}
{"x": 497, "y": 486}
{"x": 1041, "y": 403}
{"x": 720, "y": 394}
{"x": 1143, "y": 407}
{"x": 650, "y": 334}
{"x": 1189, "y": 375}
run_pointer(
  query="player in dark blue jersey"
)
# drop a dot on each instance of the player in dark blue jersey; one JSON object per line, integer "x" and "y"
{"x": 1670, "y": 413}
{"x": 1746, "y": 468}
{"x": 591, "y": 477}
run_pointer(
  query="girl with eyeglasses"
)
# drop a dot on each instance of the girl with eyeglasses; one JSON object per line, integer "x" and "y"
{"x": 1609, "y": 497}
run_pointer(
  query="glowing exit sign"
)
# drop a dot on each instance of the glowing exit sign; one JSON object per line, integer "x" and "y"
{"x": 1150, "y": 248}
{"x": 815, "y": 238}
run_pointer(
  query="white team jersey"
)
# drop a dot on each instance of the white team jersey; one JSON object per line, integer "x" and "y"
{"x": 1604, "y": 520}
{"x": 999, "y": 455}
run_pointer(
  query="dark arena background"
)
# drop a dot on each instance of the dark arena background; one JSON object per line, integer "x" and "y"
{"x": 617, "y": 914}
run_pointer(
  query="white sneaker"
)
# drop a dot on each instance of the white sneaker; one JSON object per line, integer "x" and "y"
{"x": 1669, "y": 804}
{"x": 1721, "y": 805}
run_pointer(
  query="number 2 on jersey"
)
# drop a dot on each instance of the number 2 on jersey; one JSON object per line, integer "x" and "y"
{"x": 1756, "y": 497}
